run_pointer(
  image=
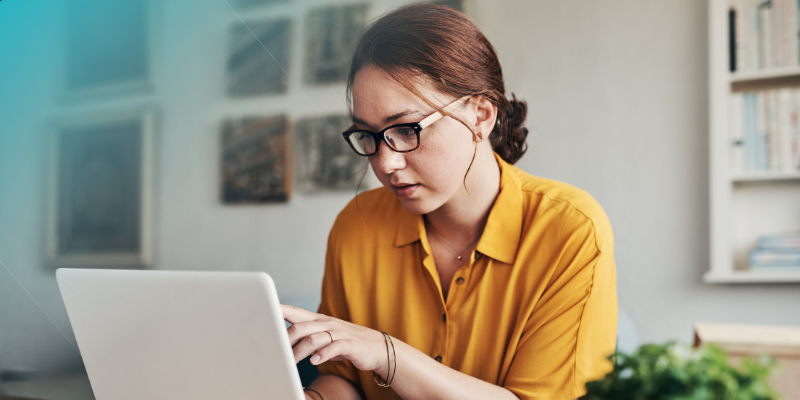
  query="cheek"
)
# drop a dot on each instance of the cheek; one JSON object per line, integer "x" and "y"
{"x": 446, "y": 157}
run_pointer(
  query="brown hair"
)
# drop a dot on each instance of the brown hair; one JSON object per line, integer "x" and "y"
{"x": 440, "y": 46}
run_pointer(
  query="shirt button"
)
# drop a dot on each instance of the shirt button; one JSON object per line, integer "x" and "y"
{"x": 444, "y": 317}
{"x": 460, "y": 280}
{"x": 438, "y": 359}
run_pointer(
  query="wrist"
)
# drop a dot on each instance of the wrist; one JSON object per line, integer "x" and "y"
{"x": 380, "y": 364}
{"x": 391, "y": 363}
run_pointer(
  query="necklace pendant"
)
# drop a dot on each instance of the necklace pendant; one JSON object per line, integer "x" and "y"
{"x": 459, "y": 257}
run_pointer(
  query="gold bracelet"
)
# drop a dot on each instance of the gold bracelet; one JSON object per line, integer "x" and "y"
{"x": 380, "y": 381}
{"x": 394, "y": 355}
{"x": 321, "y": 397}
{"x": 389, "y": 378}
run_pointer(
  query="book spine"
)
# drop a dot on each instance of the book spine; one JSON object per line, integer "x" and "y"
{"x": 765, "y": 34}
{"x": 773, "y": 132}
{"x": 751, "y": 131}
{"x": 740, "y": 35}
{"x": 784, "y": 136}
{"x": 732, "y": 39}
{"x": 790, "y": 33}
{"x": 760, "y": 147}
{"x": 774, "y": 258}
{"x": 776, "y": 34}
{"x": 795, "y": 139}
{"x": 737, "y": 156}
{"x": 779, "y": 242}
{"x": 753, "y": 36}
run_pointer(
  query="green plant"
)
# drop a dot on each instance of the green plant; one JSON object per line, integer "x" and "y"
{"x": 678, "y": 372}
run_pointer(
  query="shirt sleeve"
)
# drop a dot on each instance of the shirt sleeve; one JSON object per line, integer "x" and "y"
{"x": 333, "y": 303}
{"x": 572, "y": 329}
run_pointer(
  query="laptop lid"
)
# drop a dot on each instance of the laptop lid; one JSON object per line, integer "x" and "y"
{"x": 180, "y": 334}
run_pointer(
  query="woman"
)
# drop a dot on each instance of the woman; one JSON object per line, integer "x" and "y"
{"x": 489, "y": 283}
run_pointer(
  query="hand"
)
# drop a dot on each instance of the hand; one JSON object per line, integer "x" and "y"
{"x": 363, "y": 347}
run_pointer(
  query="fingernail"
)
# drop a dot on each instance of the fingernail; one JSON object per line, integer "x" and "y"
{"x": 314, "y": 359}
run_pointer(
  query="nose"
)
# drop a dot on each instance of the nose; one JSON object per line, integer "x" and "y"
{"x": 387, "y": 160}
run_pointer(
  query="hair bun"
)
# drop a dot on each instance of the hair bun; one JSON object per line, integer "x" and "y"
{"x": 509, "y": 137}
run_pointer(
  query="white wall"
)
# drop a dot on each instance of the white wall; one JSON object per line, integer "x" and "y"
{"x": 617, "y": 91}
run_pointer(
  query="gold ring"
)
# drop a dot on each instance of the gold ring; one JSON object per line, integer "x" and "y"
{"x": 329, "y": 334}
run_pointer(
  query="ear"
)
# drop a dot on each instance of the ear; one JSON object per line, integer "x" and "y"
{"x": 486, "y": 115}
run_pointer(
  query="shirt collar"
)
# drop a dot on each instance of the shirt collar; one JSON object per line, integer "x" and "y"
{"x": 501, "y": 235}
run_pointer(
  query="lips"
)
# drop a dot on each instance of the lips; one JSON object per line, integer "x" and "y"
{"x": 404, "y": 190}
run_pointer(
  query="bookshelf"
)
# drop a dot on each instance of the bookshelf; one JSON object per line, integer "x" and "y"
{"x": 743, "y": 206}
{"x": 768, "y": 74}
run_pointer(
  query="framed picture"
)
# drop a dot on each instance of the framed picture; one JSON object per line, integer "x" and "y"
{"x": 256, "y": 160}
{"x": 331, "y": 34}
{"x": 458, "y": 5}
{"x": 253, "y": 71}
{"x": 100, "y": 206}
{"x": 109, "y": 49}
{"x": 324, "y": 160}
{"x": 247, "y": 4}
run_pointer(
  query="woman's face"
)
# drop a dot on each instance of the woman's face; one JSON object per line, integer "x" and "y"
{"x": 433, "y": 174}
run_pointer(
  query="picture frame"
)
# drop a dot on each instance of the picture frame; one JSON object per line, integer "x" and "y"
{"x": 461, "y": 6}
{"x": 100, "y": 189}
{"x": 256, "y": 160}
{"x": 331, "y": 33}
{"x": 250, "y": 69}
{"x": 323, "y": 159}
{"x": 98, "y": 62}
{"x": 248, "y": 4}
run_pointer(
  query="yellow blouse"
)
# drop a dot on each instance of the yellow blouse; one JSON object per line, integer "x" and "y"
{"x": 534, "y": 310}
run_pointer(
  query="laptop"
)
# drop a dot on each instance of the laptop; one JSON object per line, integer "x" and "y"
{"x": 180, "y": 334}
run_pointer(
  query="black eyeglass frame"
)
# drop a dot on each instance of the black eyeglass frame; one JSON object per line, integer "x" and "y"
{"x": 381, "y": 136}
{"x": 416, "y": 126}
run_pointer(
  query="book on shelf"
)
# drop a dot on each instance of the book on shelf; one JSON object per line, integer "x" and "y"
{"x": 775, "y": 258}
{"x": 777, "y": 252}
{"x": 763, "y": 34}
{"x": 764, "y": 131}
{"x": 783, "y": 241}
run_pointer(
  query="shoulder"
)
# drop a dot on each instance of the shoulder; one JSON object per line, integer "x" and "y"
{"x": 572, "y": 209}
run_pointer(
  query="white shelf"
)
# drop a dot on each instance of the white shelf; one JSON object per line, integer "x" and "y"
{"x": 743, "y": 206}
{"x": 753, "y": 276}
{"x": 766, "y": 176}
{"x": 752, "y": 76}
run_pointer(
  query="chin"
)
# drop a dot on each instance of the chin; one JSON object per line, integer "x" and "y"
{"x": 416, "y": 206}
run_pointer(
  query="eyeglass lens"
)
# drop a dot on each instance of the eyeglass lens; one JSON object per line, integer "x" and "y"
{"x": 401, "y": 138}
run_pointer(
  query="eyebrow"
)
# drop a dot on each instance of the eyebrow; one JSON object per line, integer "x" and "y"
{"x": 388, "y": 119}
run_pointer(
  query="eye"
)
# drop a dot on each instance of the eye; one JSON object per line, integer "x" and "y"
{"x": 405, "y": 131}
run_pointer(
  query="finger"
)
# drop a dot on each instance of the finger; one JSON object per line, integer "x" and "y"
{"x": 330, "y": 351}
{"x": 310, "y": 345}
{"x": 296, "y": 314}
{"x": 300, "y": 330}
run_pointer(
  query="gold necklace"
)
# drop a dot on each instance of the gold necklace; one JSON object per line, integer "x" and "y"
{"x": 458, "y": 253}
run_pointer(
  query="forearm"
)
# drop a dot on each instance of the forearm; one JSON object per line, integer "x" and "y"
{"x": 334, "y": 387}
{"x": 421, "y": 377}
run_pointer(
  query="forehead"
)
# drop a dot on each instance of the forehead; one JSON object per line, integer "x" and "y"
{"x": 377, "y": 96}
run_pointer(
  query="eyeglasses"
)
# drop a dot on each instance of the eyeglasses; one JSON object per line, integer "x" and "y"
{"x": 402, "y": 138}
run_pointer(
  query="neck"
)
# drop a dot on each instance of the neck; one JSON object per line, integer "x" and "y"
{"x": 464, "y": 216}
